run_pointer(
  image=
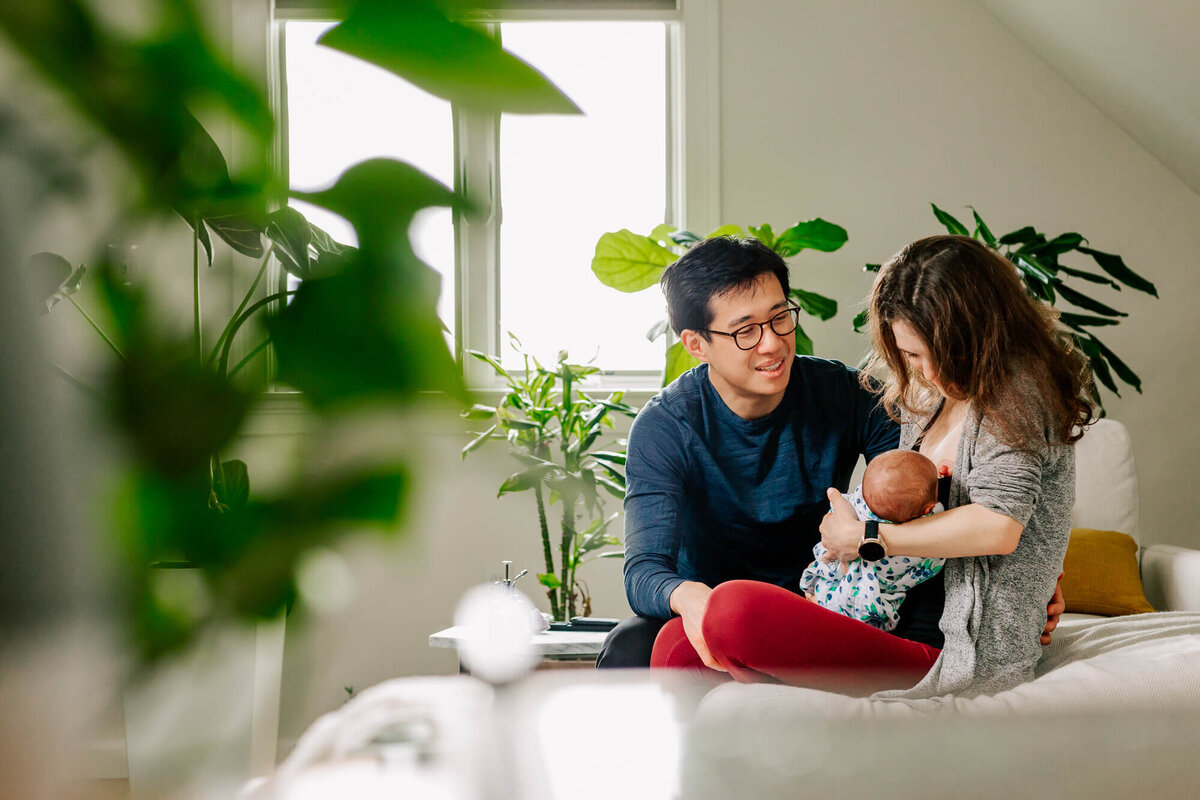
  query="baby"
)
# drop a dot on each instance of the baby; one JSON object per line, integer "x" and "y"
{"x": 898, "y": 486}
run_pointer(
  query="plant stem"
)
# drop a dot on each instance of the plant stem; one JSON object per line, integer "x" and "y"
{"x": 196, "y": 290}
{"x": 546, "y": 551}
{"x": 568, "y": 538}
{"x": 239, "y": 321}
{"x": 257, "y": 349}
{"x": 257, "y": 278}
{"x": 97, "y": 328}
{"x": 90, "y": 391}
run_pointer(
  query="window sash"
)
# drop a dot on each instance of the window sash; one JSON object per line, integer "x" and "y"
{"x": 692, "y": 99}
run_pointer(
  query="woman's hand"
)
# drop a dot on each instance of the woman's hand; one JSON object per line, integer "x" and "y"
{"x": 1054, "y": 610}
{"x": 841, "y": 531}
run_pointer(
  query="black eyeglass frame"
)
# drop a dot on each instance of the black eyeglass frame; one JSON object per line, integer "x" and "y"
{"x": 792, "y": 311}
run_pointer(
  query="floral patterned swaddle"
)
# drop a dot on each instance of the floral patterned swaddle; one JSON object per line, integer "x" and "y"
{"x": 869, "y": 591}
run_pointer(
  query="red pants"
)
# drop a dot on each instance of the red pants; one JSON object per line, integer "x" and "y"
{"x": 764, "y": 633}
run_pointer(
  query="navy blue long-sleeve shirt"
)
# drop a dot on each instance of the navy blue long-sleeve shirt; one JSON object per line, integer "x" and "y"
{"x": 712, "y": 497}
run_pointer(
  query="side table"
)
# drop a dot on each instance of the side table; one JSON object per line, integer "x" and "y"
{"x": 580, "y": 646}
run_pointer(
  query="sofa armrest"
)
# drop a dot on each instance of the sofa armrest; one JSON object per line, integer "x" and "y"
{"x": 1171, "y": 577}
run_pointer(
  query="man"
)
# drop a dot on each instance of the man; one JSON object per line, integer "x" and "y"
{"x": 728, "y": 467}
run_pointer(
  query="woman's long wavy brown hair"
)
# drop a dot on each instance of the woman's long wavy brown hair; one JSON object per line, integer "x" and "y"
{"x": 989, "y": 341}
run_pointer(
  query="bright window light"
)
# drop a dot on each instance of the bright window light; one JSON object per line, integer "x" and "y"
{"x": 566, "y": 180}
{"x": 342, "y": 110}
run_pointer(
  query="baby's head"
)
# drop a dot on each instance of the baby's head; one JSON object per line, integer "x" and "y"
{"x": 900, "y": 485}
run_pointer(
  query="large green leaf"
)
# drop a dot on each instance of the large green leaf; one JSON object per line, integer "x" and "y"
{"x": 816, "y": 234}
{"x": 1034, "y": 267}
{"x": 1079, "y": 321}
{"x": 818, "y": 305}
{"x": 1120, "y": 367}
{"x": 764, "y": 234}
{"x": 1021, "y": 236}
{"x": 982, "y": 230}
{"x": 289, "y": 231}
{"x": 804, "y": 344}
{"x": 1087, "y": 303}
{"x": 726, "y": 230}
{"x": 1063, "y": 243}
{"x": 662, "y": 232}
{"x": 679, "y": 361}
{"x": 1091, "y": 277}
{"x": 379, "y": 197}
{"x": 952, "y": 224}
{"x": 1091, "y": 348}
{"x": 242, "y": 233}
{"x": 1115, "y": 266}
{"x": 371, "y": 330}
{"x": 478, "y": 441}
{"x": 630, "y": 262}
{"x": 416, "y": 41}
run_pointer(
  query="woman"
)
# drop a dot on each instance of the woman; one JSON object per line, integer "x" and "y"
{"x": 987, "y": 386}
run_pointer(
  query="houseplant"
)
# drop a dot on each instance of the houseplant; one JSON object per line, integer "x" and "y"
{"x": 551, "y": 428}
{"x": 631, "y": 262}
{"x": 362, "y": 329}
{"x": 1038, "y": 259}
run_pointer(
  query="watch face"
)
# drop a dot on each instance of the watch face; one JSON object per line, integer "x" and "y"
{"x": 871, "y": 550}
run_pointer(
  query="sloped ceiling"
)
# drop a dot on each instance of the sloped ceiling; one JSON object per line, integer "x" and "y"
{"x": 1138, "y": 62}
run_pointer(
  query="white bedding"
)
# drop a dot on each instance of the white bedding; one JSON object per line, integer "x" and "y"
{"x": 1143, "y": 661}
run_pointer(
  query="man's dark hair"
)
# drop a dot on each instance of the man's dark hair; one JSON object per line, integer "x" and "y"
{"x": 711, "y": 268}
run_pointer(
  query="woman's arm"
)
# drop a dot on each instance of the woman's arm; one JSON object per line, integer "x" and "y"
{"x": 970, "y": 530}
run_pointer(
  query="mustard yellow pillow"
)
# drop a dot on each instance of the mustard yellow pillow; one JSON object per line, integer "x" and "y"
{"x": 1100, "y": 574}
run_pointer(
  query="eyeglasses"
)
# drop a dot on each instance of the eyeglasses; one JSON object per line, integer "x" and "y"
{"x": 747, "y": 337}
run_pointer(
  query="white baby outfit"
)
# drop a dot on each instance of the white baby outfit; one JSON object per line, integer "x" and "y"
{"x": 869, "y": 591}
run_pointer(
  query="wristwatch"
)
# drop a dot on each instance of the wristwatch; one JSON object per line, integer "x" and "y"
{"x": 872, "y": 547}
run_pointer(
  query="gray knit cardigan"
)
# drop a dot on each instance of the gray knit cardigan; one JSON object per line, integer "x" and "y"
{"x": 996, "y": 605}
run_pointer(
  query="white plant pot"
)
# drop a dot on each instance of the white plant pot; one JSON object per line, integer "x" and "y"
{"x": 205, "y": 722}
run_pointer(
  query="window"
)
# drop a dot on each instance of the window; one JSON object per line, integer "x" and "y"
{"x": 552, "y": 184}
{"x": 342, "y": 110}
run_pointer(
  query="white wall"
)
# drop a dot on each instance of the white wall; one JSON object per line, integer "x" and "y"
{"x": 862, "y": 113}
{"x": 865, "y": 112}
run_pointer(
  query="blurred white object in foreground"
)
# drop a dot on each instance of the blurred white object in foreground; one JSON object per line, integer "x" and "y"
{"x": 496, "y": 620}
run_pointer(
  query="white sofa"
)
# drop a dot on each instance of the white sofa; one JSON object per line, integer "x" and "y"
{"x": 1111, "y": 713}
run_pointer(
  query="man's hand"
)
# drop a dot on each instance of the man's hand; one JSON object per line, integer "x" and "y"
{"x": 840, "y": 530}
{"x": 690, "y": 601}
{"x": 1053, "y": 611}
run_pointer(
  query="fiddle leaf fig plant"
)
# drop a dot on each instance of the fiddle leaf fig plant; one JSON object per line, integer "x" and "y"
{"x": 632, "y": 262}
{"x": 1038, "y": 259}
{"x": 551, "y": 428}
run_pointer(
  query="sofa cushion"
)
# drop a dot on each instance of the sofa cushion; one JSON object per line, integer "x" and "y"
{"x": 1106, "y": 484}
{"x": 1101, "y": 576}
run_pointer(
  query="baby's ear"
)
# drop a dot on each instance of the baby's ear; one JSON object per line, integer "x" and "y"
{"x": 929, "y": 507}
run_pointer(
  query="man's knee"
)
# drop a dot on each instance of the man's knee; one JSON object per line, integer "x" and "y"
{"x": 630, "y": 643}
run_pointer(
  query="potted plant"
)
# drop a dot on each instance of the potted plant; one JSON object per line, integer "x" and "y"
{"x": 361, "y": 330}
{"x": 1038, "y": 259}
{"x": 554, "y": 430}
{"x": 631, "y": 262}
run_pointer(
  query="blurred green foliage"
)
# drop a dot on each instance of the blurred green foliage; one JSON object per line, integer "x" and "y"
{"x": 361, "y": 330}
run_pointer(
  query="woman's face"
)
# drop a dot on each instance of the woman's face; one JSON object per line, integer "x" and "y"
{"x": 915, "y": 352}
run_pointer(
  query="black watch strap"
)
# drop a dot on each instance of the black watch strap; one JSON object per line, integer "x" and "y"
{"x": 872, "y": 547}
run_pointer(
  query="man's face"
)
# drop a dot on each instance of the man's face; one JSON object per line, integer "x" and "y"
{"x": 751, "y": 382}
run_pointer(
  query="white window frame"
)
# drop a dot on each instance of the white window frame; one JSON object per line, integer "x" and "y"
{"x": 693, "y": 190}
